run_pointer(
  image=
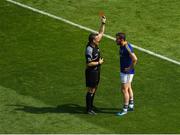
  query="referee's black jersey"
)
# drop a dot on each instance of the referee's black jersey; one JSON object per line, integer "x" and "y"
{"x": 92, "y": 55}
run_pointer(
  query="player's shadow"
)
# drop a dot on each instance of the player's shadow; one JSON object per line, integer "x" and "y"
{"x": 65, "y": 108}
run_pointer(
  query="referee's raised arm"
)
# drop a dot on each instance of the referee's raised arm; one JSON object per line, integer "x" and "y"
{"x": 102, "y": 28}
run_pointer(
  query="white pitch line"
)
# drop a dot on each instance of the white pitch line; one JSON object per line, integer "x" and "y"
{"x": 90, "y": 30}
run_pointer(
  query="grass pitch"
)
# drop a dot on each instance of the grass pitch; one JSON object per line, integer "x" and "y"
{"x": 42, "y": 74}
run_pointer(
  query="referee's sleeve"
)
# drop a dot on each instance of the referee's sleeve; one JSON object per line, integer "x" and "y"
{"x": 89, "y": 51}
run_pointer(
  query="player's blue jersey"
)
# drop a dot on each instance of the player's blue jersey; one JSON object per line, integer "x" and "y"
{"x": 125, "y": 59}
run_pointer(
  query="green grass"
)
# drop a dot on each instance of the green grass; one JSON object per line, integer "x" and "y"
{"x": 42, "y": 80}
{"x": 151, "y": 24}
{"x": 23, "y": 114}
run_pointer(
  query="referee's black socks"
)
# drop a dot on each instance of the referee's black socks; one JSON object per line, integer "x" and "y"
{"x": 92, "y": 100}
{"x": 89, "y": 101}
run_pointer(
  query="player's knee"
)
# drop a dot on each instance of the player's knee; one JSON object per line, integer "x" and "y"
{"x": 125, "y": 90}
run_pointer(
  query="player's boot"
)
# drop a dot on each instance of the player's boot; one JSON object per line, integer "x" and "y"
{"x": 121, "y": 113}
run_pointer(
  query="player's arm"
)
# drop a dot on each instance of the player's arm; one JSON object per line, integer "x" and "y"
{"x": 134, "y": 60}
{"x": 133, "y": 57}
{"x": 102, "y": 28}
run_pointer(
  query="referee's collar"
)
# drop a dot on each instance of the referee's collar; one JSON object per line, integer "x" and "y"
{"x": 90, "y": 44}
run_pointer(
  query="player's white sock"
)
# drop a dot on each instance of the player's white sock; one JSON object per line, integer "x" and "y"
{"x": 131, "y": 103}
{"x": 125, "y": 108}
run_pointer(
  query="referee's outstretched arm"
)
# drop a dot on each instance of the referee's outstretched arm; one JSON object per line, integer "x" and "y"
{"x": 102, "y": 28}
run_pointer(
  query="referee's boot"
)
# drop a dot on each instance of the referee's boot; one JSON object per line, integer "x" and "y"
{"x": 91, "y": 112}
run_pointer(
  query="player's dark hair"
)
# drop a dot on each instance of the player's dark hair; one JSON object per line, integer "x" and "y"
{"x": 91, "y": 37}
{"x": 121, "y": 35}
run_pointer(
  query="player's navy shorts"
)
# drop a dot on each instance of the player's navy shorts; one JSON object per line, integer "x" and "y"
{"x": 92, "y": 78}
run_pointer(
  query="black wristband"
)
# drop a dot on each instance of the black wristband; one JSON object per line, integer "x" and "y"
{"x": 103, "y": 23}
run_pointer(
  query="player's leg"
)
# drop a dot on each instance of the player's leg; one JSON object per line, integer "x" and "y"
{"x": 131, "y": 95}
{"x": 131, "y": 98}
{"x": 124, "y": 90}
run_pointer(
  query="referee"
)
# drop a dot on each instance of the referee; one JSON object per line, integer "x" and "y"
{"x": 93, "y": 64}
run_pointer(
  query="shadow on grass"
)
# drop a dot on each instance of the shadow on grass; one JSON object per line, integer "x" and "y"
{"x": 65, "y": 108}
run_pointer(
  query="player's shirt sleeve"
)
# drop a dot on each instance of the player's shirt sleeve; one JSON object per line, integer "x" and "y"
{"x": 129, "y": 48}
{"x": 89, "y": 57}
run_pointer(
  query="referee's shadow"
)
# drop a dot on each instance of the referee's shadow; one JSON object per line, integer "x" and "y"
{"x": 65, "y": 108}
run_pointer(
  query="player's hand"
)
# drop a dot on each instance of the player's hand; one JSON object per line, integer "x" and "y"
{"x": 125, "y": 43}
{"x": 127, "y": 69}
{"x": 101, "y": 61}
{"x": 103, "y": 19}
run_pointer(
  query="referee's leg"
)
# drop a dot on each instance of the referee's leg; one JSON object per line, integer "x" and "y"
{"x": 91, "y": 84}
{"x": 89, "y": 100}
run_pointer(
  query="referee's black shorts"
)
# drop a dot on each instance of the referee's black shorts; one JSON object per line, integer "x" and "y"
{"x": 92, "y": 78}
